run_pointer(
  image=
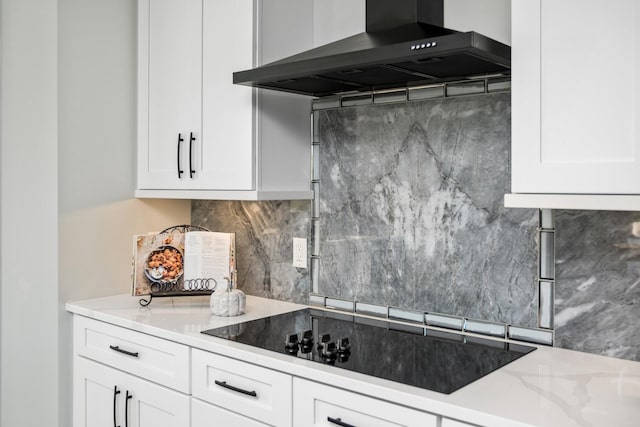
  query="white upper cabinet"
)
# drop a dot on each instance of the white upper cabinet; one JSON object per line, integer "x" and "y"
{"x": 199, "y": 135}
{"x": 170, "y": 81}
{"x": 227, "y": 110}
{"x": 576, "y": 97}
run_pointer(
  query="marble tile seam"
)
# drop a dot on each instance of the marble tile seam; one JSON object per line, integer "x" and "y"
{"x": 484, "y": 328}
{"x": 546, "y": 270}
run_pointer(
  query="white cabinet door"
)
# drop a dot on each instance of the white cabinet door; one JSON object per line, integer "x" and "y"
{"x": 195, "y": 126}
{"x": 317, "y": 404}
{"x": 206, "y": 415}
{"x": 104, "y": 397}
{"x": 576, "y": 96}
{"x": 97, "y": 394}
{"x": 169, "y": 90}
{"x": 226, "y": 155}
{"x": 151, "y": 405}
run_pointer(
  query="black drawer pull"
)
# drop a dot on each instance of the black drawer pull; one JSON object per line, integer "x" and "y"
{"x": 180, "y": 171}
{"x": 339, "y": 422}
{"x": 191, "y": 139}
{"x": 126, "y": 409}
{"x": 116, "y": 392}
{"x": 119, "y": 350}
{"x": 239, "y": 390}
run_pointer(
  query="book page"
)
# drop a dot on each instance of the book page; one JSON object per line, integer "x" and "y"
{"x": 208, "y": 255}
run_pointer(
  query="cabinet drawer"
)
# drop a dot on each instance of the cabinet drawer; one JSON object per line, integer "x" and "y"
{"x": 321, "y": 405}
{"x": 253, "y": 391}
{"x": 155, "y": 359}
{"x": 203, "y": 413}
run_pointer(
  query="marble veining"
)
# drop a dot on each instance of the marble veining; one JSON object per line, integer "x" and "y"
{"x": 264, "y": 232}
{"x": 597, "y": 306}
{"x": 411, "y": 210}
{"x": 411, "y": 216}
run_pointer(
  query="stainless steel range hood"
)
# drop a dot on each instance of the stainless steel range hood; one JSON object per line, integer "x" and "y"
{"x": 405, "y": 44}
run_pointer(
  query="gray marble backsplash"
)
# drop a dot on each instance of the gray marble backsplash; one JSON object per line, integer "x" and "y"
{"x": 411, "y": 215}
{"x": 412, "y": 212}
{"x": 598, "y": 282}
{"x": 264, "y": 235}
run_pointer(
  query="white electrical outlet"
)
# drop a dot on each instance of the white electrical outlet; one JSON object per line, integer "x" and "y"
{"x": 299, "y": 252}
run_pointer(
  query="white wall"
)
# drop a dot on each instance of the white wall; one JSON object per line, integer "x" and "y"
{"x": 67, "y": 216}
{"x": 491, "y": 18}
{"x": 96, "y": 149}
{"x": 336, "y": 19}
{"x": 28, "y": 214}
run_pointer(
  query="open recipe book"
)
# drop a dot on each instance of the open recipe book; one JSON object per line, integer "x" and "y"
{"x": 175, "y": 261}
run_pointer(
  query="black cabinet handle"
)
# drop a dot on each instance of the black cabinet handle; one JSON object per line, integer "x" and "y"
{"x": 116, "y": 392}
{"x": 236, "y": 389}
{"x": 126, "y": 409}
{"x": 119, "y": 350}
{"x": 339, "y": 422}
{"x": 180, "y": 171}
{"x": 191, "y": 139}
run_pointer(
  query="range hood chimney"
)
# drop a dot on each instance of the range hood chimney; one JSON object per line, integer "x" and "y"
{"x": 405, "y": 44}
{"x": 383, "y": 15}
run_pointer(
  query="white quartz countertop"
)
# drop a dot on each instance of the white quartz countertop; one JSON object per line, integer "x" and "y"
{"x": 548, "y": 387}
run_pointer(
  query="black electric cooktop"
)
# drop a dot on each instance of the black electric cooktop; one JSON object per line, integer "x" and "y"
{"x": 413, "y": 355}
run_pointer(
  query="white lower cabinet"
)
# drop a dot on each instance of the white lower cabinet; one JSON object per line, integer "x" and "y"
{"x": 207, "y": 415}
{"x": 107, "y": 397}
{"x": 125, "y": 378}
{"x": 321, "y": 405}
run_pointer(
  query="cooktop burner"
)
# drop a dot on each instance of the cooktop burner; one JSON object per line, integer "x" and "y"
{"x": 413, "y": 355}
